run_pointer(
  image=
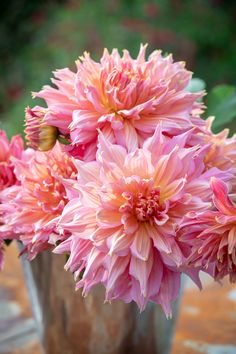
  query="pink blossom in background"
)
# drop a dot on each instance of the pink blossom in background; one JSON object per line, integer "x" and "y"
{"x": 39, "y": 198}
{"x": 124, "y": 214}
{"x": 123, "y": 97}
{"x": 222, "y": 152}
{"x": 212, "y": 235}
{"x": 8, "y": 149}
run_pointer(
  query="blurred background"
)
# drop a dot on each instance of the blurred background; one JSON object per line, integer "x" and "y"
{"x": 37, "y": 37}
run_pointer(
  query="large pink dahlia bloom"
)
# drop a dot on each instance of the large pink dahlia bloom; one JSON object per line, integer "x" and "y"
{"x": 40, "y": 197}
{"x": 124, "y": 97}
{"x": 212, "y": 235}
{"x": 124, "y": 214}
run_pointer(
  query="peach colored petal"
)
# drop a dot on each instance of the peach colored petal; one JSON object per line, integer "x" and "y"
{"x": 221, "y": 199}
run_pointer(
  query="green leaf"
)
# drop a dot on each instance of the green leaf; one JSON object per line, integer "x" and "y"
{"x": 81, "y": 274}
{"x": 221, "y": 103}
{"x": 196, "y": 85}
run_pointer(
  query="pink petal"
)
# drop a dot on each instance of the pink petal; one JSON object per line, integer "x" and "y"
{"x": 139, "y": 163}
{"x": 127, "y": 136}
{"x": 232, "y": 240}
{"x": 169, "y": 290}
{"x": 116, "y": 269}
{"x": 108, "y": 218}
{"x": 141, "y": 245}
{"x": 161, "y": 242}
{"x": 110, "y": 152}
{"x": 130, "y": 223}
{"x": 221, "y": 198}
{"x": 140, "y": 270}
{"x": 120, "y": 243}
{"x": 88, "y": 171}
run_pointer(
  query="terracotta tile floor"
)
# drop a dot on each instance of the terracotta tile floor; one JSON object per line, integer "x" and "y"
{"x": 207, "y": 321}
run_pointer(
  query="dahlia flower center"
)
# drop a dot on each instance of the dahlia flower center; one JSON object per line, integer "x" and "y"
{"x": 47, "y": 189}
{"x": 51, "y": 195}
{"x": 145, "y": 207}
{"x": 122, "y": 78}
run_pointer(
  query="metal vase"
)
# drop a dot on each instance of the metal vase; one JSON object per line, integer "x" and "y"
{"x": 70, "y": 324}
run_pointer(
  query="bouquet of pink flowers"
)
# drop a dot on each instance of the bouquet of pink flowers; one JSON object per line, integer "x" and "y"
{"x": 124, "y": 176}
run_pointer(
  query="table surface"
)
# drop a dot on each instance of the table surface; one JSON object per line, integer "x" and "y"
{"x": 206, "y": 324}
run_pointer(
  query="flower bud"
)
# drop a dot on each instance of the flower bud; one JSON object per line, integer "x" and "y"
{"x": 39, "y": 135}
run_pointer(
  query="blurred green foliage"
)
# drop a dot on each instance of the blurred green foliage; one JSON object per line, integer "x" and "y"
{"x": 221, "y": 103}
{"x": 44, "y": 35}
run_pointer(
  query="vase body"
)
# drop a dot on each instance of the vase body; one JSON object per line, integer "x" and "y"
{"x": 70, "y": 324}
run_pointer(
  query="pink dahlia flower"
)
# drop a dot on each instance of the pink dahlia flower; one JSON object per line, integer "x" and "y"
{"x": 212, "y": 235}
{"x": 123, "y": 97}
{"x": 40, "y": 197}
{"x": 124, "y": 214}
{"x": 222, "y": 149}
{"x": 8, "y": 149}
